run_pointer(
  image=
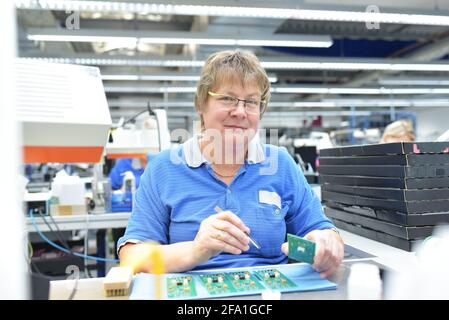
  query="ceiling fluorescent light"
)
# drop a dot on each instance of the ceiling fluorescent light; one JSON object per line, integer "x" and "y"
{"x": 160, "y": 77}
{"x": 147, "y": 89}
{"x": 325, "y": 103}
{"x": 364, "y": 91}
{"x": 279, "y": 89}
{"x": 178, "y": 37}
{"x": 122, "y": 62}
{"x": 414, "y": 81}
{"x": 235, "y": 11}
{"x": 338, "y": 64}
{"x": 438, "y": 102}
{"x": 420, "y": 67}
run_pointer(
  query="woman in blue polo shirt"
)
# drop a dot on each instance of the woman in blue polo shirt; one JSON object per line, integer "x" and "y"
{"x": 258, "y": 187}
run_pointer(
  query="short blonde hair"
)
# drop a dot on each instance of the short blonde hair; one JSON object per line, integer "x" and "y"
{"x": 225, "y": 67}
{"x": 400, "y": 130}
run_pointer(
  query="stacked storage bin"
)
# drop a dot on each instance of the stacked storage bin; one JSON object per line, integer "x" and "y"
{"x": 395, "y": 193}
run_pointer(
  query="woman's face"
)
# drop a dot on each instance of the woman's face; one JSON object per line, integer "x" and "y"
{"x": 233, "y": 124}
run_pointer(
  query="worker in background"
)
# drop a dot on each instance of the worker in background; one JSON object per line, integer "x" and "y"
{"x": 259, "y": 188}
{"x": 398, "y": 131}
{"x": 137, "y": 167}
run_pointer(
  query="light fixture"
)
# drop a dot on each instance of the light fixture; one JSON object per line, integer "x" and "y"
{"x": 297, "y": 63}
{"x": 236, "y": 11}
{"x": 149, "y": 89}
{"x": 274, "y": 115}
{"x": 415, "y": 81}
{"x": 415, "y": 102}
{"x": 324, "y": 103}
{"x": 175, "y": 76}
{"x": 177, "y": 37}
{"x": 284, "y": 89}
{"x": 364, "y": 91}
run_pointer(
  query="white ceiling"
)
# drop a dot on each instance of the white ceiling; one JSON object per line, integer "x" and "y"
{"x": 424, "y": 43}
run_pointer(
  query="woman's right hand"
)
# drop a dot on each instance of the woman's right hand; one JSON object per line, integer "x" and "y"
{"x": 221, "y": 232}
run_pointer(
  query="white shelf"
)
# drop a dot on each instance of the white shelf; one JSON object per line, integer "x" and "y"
{"x": 78, "y": 222}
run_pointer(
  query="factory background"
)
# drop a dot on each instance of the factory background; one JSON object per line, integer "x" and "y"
{"x": 117, "y": 79}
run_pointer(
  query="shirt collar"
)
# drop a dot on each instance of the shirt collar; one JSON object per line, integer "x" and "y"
{"x": 194, "y": 158}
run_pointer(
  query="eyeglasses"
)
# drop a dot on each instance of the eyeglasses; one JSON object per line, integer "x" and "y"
{"x": 252, "y": 106}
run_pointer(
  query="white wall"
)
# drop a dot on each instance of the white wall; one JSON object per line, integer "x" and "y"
{"x": 13, "y": 272}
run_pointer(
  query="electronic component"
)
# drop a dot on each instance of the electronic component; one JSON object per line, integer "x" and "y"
{"x": 300, "y": 249}
{"x": 38, "y": 202}
{"x": 244, "y": 281}
{"x": 180, "y": 287}
{"x": 274, "y": 279}
{"x": 118, "y": 281}
{"x": 217, "y": 283}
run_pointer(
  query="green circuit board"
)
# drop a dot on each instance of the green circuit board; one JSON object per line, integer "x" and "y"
{"x": 296, "y": 277}
{"x": 180, "y": 287}
{"x": 274, "y": 279}
{"x": 300, "y": 249}
{"x": 244, "y": 281}
{"x": 217, "y": 283}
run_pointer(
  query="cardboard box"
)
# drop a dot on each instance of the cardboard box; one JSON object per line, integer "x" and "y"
{"x": 67, "y": 210}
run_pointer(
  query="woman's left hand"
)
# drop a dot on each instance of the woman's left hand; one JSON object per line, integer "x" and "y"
{"x": 329, "y": 251}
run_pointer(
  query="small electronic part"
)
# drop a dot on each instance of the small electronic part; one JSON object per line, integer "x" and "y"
{"x": 274, "y": 279}
{"x": 38, "y": 202}
{"x": 118, "y": 281}
{"x": 180, "y": 287}
{"x": 300, "y": 249}
{"x": 217, "y": 283}
{"x": 244, "y": 281}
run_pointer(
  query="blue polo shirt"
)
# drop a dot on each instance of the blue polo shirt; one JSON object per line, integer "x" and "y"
{"x": 269, "y": 194}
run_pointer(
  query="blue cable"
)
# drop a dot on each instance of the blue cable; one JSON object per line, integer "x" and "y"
{"x": 64, "y": 249}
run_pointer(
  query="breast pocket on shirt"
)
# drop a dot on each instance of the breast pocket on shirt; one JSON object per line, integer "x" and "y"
{"x": 270, "y": 231}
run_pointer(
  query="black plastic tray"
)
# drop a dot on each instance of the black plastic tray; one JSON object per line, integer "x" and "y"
{"x": 407, "y": 245}
{"x": 387, "y": 148}
{"x": 386, "y": 182}
{"x": 390, "y": 193}
{"x": 428, "y": 171}
{"x": 422, "y": 219}
{"x": 397, "y": 230}
{"x": 400, "y": 159}
{"x": 395, "y": 205}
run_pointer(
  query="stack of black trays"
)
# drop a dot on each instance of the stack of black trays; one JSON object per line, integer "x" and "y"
{"x": 394, "y": 193}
